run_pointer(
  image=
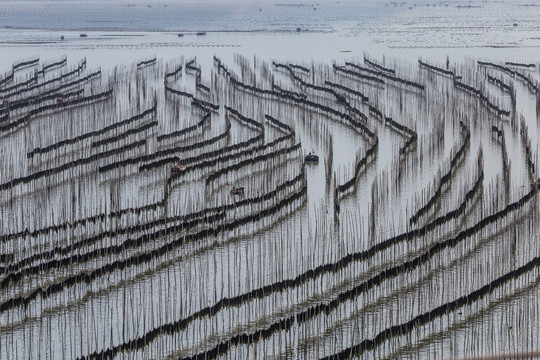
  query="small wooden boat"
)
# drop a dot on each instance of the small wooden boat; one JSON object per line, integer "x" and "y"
{"x": 178, "y": 168}
{"x": 311, "y": 157}
{"x": 237, "y": 191}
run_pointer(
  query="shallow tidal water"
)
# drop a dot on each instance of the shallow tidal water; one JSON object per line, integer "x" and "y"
{"x": 103, "y": 308}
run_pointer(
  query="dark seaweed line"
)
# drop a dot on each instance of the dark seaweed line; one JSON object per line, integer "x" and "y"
{"x": 7, "y": 79}
{"x": 350, "y": 120}
{"x": 44, "y": 108}
{"x": 186, "y": 130}
{"x": 242, "y": 339}
{"x": 204, "y": 156}
{"x": 300, "y": 67}
{"x": 520, "y": 64}
{"x": 21, "y": 84}
{"x": 23, "y": 64}
{"x": 201, "y": 86}
{"x": 364, "y": 69}
{"x": 411, "y": 140}
{"x": 80, "y": 222}
{"x": 354, "y": 292}
{"x": 3, "y": 257}
{"x": 174, "y": 73}
{"x": 19, "y": 104}
{"x": 436, "y": 69}
{"x": 222, "y": 159}
{"x": 528, "y": 151}
{"x": 288, "y": 92}
{"x": 400, "y": 127}
{"x": 501, "y": 84}
{"x": 59, "y": 87}
{"x": 282, "y": 285}
{"x": 177, "y": 149}
{"x": 288, "y": 129}
{"x": 406, "y": 266}
{"x": 50, "y": 66}
{"x": 300, "y": 80}
{"x": 101, "y": 217}
{"x": 190, "y": 66}
{"x": 92, "y": 219}
{"x": 379, "y": 67}
{"x": 58, "y": 169}
{"x": 145, "y": 63}
{"x": 482, "y": 97}
{"x": 376, "y": 112}
{"x": 244, "y": 119}
{"x": 77, "y": 71}
{"x": 209, "y": 215}
{"x": 251, "y": 161}
{"x": 84, "y": 221}
{"x": 358, "y": 167}
{"x": 527, "y": 80}
{"x": 356, "y": 124}
{"x": 18, "y": 271}
{"x": 445, "y": 178}
{"x": 92, "y": 133}
{"x": 340, "y": 98}
{"x": 90, "y": 240}
{"x": 357, "y": 74}
{"x": 125, "y": 134}
{"x": 386, "y": 76}
{"x": 205, "y": 105}
{"x": 198, "y": 84}
{"x": 146, "y": 257}
{"x": 181, "y": 324}
{"x": 498, "y": 67}
{"x": 193, "y": 99}
{"x": 397, "y": 127}
{"x": 427, "y": 317}
{"x": 349, "y": 90}
{"x": 279, "y": 286}
{"x": 188, "y": 221}
{"x": 56, "y": 106}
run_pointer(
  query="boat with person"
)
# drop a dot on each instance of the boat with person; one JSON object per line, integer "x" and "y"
{"x": 237, "y": 191}
{"x": 311, "y": 157}
{"x": 177, "y": 168}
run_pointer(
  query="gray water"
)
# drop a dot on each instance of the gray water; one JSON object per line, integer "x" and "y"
{"x": 125, "y": 304}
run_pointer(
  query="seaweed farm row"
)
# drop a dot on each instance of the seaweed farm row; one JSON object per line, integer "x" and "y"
{"x": 235, "y": 207}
